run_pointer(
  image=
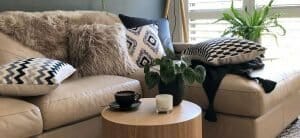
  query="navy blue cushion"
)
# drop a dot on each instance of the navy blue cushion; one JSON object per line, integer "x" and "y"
{"x": 163, "y": 28}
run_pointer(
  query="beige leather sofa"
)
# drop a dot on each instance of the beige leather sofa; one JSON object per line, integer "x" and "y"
{"x": 70, "y": 111}
{"x": 246, "y": 111}
{"x": 243, "y": 109}
{"x": 73, "y": 109}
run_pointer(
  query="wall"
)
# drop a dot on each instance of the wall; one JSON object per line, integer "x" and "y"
{"x": 140, "y": 8}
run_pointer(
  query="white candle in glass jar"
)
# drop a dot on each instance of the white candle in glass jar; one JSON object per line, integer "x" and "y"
{"x": 164, "y": 103}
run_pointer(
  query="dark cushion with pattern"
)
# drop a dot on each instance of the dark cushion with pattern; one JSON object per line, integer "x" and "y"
{"x": 222, "y": 51}
{"x": 163, "y": 28}
{"x": 144, "y": 45}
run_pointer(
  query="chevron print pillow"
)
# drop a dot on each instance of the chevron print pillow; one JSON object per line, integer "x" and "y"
{"x": 144, "y": 44}
{"x": 223, "y": 51}
{"x": 32, "y": 76}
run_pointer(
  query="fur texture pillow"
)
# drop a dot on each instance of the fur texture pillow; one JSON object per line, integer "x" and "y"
{"x": 100, "y": 49}
{"x": 46, "y": 32}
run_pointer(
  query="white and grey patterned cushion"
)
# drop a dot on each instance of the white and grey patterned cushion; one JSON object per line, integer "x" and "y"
{"x": 144, "y": 44}
{"x": 32, "y": 76}
{"x": 222, "y": 51}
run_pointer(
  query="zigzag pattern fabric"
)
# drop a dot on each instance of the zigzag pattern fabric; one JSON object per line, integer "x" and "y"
{"x": 39, "y": 71}
{"x": 222, "y": 51}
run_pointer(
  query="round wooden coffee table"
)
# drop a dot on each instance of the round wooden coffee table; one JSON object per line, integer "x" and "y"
{"x": 183, "y": 122}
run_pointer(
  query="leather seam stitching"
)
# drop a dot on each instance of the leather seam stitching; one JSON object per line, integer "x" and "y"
{"x": 31, "y": 110}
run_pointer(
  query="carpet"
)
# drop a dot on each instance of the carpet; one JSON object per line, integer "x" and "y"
{"x": 292, "y": 131}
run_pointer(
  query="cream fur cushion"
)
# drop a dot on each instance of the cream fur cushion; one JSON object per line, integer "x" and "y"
{"x": 47, "y": 32}
{"x": 100, "y": 49}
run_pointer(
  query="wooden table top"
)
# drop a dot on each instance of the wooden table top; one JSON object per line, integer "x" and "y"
{"x": 146, "y": 114}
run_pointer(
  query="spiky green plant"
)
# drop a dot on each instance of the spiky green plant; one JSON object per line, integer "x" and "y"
{"x": 251, "y": 25}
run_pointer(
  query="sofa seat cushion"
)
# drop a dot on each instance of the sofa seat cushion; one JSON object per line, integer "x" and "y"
{"x": 19, "y": 119}
{"x": 78, "y": 99}
{"x": 240, "y": 96}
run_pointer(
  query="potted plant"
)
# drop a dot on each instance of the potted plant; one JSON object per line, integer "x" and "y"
{"x": 170, "y": 76}
{"x": 251, "y": 25}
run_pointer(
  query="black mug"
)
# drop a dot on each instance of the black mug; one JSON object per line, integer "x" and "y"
{"x": 127, "y": 98}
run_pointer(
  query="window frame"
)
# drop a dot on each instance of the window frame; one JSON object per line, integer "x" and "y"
{"x": 289, "y": 11}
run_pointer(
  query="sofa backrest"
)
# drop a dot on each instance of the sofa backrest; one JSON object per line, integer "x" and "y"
{"x": 46, "y": 32}
{"x": 11, "y": 50}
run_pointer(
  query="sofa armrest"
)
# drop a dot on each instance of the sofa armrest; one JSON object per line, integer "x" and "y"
{"x": 140, "y": 76}
{"x": 180, "y": 46}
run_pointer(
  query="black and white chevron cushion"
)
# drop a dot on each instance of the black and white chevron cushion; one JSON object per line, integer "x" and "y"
{"x": 221, "y": 51}
{"x": 144, "y": 44}
{"x": 32, "y": 76}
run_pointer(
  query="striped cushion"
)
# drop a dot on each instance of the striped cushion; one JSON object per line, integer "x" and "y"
{"x": 32, "y": 76}
{"x": 222, "y": 51}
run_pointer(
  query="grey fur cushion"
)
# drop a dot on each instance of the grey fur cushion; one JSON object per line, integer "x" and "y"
{"x": 100, "y": 49}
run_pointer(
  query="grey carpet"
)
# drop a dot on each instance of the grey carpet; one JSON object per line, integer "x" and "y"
{"x": 293, "y": 131}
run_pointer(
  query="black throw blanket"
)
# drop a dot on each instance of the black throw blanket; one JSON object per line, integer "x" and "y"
{"x": 215, "y": 74}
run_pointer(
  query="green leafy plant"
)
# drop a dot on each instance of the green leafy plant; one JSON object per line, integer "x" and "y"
{"x": 251, "y": 25}
{"x": 168, "y": 70}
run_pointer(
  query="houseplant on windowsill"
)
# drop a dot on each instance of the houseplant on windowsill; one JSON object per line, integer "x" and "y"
{"x": 170, "y": 76}
{"x": 250, "y": 25}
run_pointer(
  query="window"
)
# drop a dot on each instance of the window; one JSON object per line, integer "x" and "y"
{"x": 290, "y": 40}
{"x": 212, "y": 4}
{"x": 278, "y": 3}
{"x": 203, "y": 14}
{"x": 192, "y": 4}
{"x": 203, "y": 29}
